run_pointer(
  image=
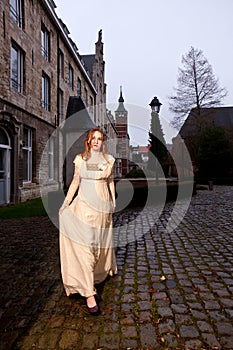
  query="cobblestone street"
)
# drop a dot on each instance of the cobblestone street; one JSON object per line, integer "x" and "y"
{"x": 173, "y": 291}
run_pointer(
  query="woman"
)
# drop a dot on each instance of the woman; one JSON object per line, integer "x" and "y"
{"x": 86, "y": 243}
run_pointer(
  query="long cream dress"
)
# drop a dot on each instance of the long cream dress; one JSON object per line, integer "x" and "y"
{"x": 86, "y": 242}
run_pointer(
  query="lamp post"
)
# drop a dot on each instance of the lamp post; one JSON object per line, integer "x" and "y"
{"x": 155, "y": 108}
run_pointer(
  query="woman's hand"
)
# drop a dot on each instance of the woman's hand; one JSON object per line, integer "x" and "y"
{"x": 64, "y": 205}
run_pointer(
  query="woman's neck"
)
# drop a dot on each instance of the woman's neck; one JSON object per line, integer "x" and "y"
{"x": 95, "y": 155}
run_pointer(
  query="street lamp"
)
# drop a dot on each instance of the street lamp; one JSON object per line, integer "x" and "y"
{"x": 155, "y": 105}
{"x": 155, "y": 108}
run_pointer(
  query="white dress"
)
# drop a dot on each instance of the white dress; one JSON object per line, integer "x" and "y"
{"x": 86, "y": 243}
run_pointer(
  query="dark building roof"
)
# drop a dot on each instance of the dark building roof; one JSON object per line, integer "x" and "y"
{"x": 219, "y": 116}
{"x": 88, "y": 63}
{"x": 121, "y": 107}
{"x": 77, "y": 116}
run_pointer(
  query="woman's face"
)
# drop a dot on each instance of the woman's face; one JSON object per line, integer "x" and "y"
{"x": 96, "y": 141}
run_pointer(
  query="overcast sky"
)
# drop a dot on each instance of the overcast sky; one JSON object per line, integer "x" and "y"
{"x": 143, "y": 46}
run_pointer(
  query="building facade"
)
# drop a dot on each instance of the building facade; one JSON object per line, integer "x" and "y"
{"x": 123, "y": 148}
{"x": 41, "y": 69}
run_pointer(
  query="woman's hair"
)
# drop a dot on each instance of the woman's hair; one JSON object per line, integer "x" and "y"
{"x": 87, "y": 143}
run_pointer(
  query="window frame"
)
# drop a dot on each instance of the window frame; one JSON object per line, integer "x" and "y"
{"x": 71, "y": 77}
{"x": 45, "y": 92}
{"x": 51, "y": 158}
{"x": 61, "y": 63}
{"x": 17, "y": 12}
{"x": 79, "y": 87}
{"x": 17, "y": 78}
{"x": 45, "y": 42}
{"x": 27, "y": 150}
{"x": 60, "y": 105}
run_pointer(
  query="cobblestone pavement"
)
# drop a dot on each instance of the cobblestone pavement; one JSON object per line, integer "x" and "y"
{"x": 173, "y": 291}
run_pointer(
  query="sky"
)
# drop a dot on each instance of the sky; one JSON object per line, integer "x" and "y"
{"x": 143, "y": 46}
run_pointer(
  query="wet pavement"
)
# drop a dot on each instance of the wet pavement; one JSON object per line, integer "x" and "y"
{"x": 173, "y": 291}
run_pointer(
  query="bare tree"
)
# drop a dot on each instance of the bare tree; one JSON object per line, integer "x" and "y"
{"x": 197, "y": 87}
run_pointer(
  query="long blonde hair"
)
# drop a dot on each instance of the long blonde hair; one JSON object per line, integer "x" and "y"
{"x": 87, "y": 144}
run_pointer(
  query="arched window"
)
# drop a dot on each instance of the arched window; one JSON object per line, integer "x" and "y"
{"x": 4, "y": 140}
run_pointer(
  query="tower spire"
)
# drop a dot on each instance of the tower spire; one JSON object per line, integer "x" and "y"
{"x": 121, "y": 107}
{"x": 121, "y": 100}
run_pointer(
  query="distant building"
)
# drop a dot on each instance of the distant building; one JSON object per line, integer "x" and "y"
{"x": 193, "y": 126}
{"x": 123, "y": 149}
{"x": 140, "y": 156}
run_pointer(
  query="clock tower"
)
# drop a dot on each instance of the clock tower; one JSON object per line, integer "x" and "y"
{"x": 121, "y": 123}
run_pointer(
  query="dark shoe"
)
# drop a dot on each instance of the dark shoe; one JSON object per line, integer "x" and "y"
{"x": 94, "y": 311}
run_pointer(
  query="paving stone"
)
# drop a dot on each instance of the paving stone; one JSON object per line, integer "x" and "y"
{"x": 166, "y": 327}
{"x": 109, "y": 341}
{"x": 193, "y": 344}
{"x": 129, "y": 331}
{"x": 147, "y": 335}
{"x": 205, "y": 327}
{"x": 211, "y": 340}
{"x": 224, "y": 328}
{"x": 171, "y": 341}
{"x": 217, "y": 316}
{"x": 188, "y": 331}
{"x": 179, "y": 308}
{"x": 90, "y": 342}
{"x": 144, "y": 305}
{"x": 227, "y": 342}
{"x": 183, "y": 319}
{"x": 212, "y": 305}
{"x": 165, "y": 312}
{"x": 130, "y": 344}
{"x": 69, "y": 339}
{"x": 227, "y": 302}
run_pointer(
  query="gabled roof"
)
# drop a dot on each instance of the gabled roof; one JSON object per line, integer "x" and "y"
{"x": 88, "y": 63}
{"x": 77, "y": 116}
{"x": 219, "y": 116}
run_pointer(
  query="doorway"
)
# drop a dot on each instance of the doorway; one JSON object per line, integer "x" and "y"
{"x": 5, "y": 175}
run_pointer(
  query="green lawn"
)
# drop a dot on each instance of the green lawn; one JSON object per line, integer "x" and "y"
{"x": 32, "y": 207}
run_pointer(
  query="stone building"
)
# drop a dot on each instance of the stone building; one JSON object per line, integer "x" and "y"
{"x": 123, "y": 149}
{"x": 42, "y": 72}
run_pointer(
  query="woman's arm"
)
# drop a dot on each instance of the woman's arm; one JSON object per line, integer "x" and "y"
{"x": 72, "y": 190}
{"x": 112, "y": 189}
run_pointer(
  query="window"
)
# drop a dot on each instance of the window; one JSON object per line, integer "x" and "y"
{"x": 91, "y": 105}
{"x": 27, "y": 155}
{"x": 16, "y": 11}
{"x": 45, "y": 43}
{"x": 45, "y": 102}
{"x": 71, "y": 77}
{"x": 17, "y": 67}
{"x": 51, "y": 158}
{"x": 60, "y": 106}
{"x": 79, "y": 87}
{"x": 61, "y": 63}
{"x": 86, "y": 97}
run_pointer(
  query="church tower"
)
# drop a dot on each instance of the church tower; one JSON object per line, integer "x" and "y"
{"x": 121, "y": 123}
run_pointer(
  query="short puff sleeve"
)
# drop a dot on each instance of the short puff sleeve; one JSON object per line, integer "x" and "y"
{"x": 78, "y": 160}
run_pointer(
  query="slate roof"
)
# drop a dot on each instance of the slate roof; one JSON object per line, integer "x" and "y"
{"x": 88, "y": 63}
{"x": 219, "y": 116}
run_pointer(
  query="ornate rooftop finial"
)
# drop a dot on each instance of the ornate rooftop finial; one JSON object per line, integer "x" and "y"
{"x": 100, "y": 35}
{"x": 121, "y": 97}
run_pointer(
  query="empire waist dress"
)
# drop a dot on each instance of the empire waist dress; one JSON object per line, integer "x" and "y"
{"x": 86, "y": 240}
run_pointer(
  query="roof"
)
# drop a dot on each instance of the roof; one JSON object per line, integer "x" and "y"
{"x": 77, "y": 116}
{"x": 121, "y": 107}
{"x": 88, "y": 63}
{"x": 219, "y": 116}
